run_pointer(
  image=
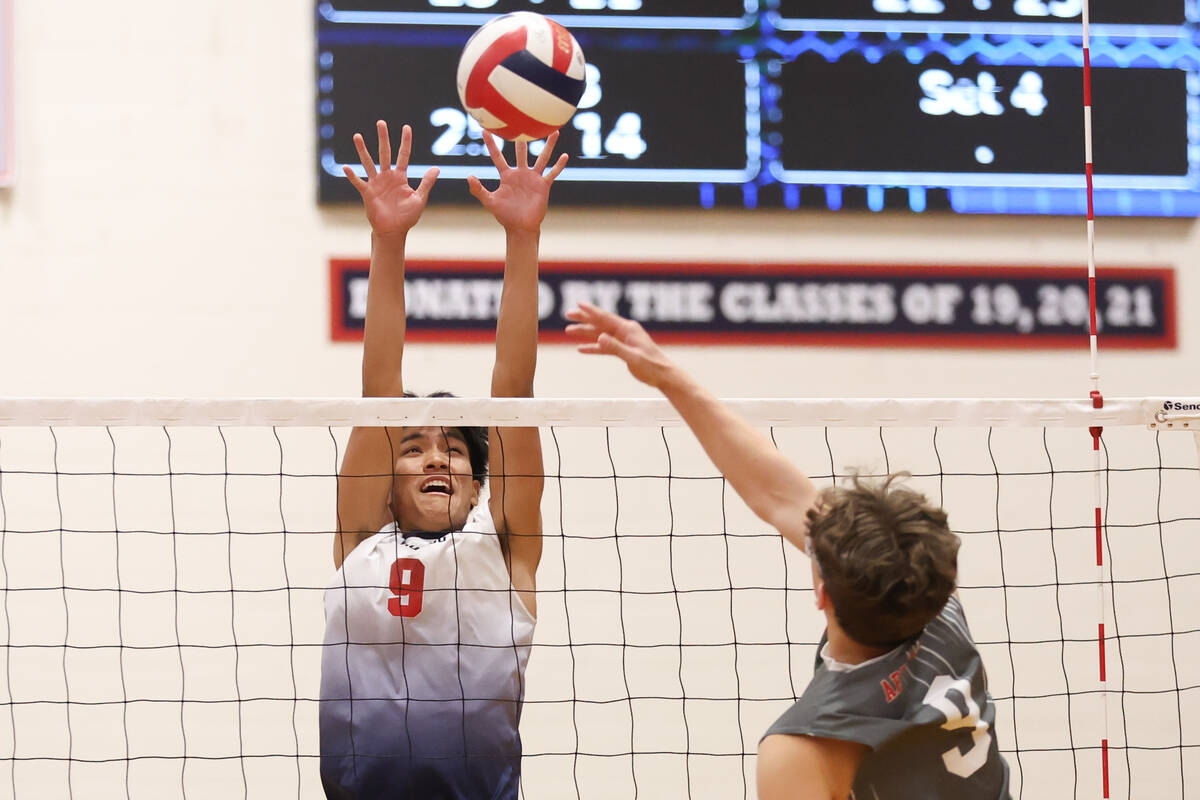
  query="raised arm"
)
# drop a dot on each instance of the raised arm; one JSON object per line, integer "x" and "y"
{"x": 773, "y": 487}
{"x": 515, "y": 462}
{"x": 393, "y": 208}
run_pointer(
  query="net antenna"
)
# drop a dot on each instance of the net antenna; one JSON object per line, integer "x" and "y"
{"x": 1188, "y": 419}
{"x": 1097, "y": 398}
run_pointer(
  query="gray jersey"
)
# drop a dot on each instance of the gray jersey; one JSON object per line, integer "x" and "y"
{"x": 923, "y": 709}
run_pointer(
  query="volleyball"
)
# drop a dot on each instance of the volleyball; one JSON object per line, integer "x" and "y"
{"x": 521, "y": 76}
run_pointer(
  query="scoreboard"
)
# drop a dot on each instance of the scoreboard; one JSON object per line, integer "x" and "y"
{"x": 970, "y": 105}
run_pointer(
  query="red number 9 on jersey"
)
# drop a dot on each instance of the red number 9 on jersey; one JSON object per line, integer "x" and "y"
{"x": 408, "y": 579}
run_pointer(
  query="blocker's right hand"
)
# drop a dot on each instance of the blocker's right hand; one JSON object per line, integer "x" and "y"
{"x": 605, "y": 333}
{"x": 393, "y": 207}
{"x": 520, "y": 201}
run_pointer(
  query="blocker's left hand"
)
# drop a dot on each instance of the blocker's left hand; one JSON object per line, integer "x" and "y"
{"x": 519, "y": 202}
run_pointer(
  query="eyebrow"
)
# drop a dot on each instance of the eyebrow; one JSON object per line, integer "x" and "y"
{"x": 449, "y": 434}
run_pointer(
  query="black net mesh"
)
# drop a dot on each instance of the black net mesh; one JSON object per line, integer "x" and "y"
{"x": 163, "y": 594}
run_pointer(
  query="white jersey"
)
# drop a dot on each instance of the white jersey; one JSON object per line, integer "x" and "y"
{"x": 423, "y": 668}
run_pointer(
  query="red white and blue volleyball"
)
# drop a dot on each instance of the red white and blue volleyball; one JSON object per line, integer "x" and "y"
{"x": 521, "y": 76}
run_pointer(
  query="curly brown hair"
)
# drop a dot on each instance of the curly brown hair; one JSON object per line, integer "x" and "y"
{"x": 888, "y": 559}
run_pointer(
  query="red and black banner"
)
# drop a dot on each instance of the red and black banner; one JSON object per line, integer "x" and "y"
{"x": 780, "y": 304}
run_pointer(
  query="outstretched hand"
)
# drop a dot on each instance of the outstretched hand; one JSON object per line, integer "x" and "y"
{"x": 393, "y": 207}
{"x": 605, "y": 333}
{"x": 519, "y": 202}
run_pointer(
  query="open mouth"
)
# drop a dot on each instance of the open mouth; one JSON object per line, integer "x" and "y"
{"x": 437, "y": 486}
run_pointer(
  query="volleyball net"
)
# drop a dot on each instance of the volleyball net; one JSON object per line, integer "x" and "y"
{"x": 164, "y": 563}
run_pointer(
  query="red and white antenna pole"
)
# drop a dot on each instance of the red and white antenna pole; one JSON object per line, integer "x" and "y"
{"x": 1091, "y": 204}
{"x": 1097, "y": 397}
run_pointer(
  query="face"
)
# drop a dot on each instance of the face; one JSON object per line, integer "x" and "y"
{"x": 433, "y": 489}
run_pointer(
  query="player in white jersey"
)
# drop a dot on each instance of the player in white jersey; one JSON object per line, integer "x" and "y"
{"x": 898, "y": 707}
{"x": 429, "y": 619}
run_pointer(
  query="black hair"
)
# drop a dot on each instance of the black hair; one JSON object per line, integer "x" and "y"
{"x": 475, "y": 436}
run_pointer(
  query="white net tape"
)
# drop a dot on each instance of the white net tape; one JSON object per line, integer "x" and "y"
{"x": 958, "y": 412}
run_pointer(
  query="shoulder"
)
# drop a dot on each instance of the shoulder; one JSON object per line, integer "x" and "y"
{"x": 954, "y": 616}
{"x": 480, "y": 521}
{"x": 859, "y": 705}
{"x": 946, "y": 644}
{"x": 807, "y": 766}
{"x": 369, "y": 545}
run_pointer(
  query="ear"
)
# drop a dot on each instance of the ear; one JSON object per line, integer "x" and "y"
{"x": 476, "y": 487}
{"x": 820, "y": 595}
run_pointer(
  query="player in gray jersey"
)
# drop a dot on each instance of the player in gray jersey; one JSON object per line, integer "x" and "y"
{"x": 429, "y": 619}
{"x": 898, "y": 707}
